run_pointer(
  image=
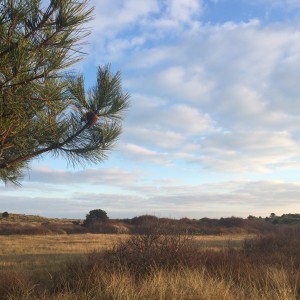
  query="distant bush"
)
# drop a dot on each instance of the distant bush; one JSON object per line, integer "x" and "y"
{"x": 95, "y": 215}
{"x": 5, "y": 214}
{"x": 232, "y": 222}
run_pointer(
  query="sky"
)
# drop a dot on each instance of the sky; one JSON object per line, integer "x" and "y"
{"x": 213, "y": 128}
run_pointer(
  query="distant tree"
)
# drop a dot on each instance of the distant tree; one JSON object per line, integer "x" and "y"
{"x": 232, "y": 222}
{"x": 5, "y": 214}
{"x": 95, "y": 215}
{"x": 43, "y": 108}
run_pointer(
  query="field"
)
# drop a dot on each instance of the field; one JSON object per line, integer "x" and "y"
{"x": 37, "y": 252}
{"x": 160, "y": 262}
{"x": 34, "y": 252}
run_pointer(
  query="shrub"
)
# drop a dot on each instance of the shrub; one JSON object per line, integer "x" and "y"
{"x": 95, "y": 215}
{"x": 157, "y": 249}
{"x": 5, "y": 214}
{"x": 232, "y": 222}
{"x": 280, "y": 246}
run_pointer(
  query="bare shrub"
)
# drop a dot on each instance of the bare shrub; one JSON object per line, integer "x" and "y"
{"x": 281, "y": 246}
{"x": 156, "y": 249}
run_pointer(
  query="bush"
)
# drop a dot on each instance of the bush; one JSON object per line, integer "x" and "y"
{"x": 144, "y": 219}
{"x": 95, "y": 215}
{"x": 157, "y": 249}
{"x": 281, "y": 246}
{"x": 232, "y": 222}
{"x": 5, "y": 214}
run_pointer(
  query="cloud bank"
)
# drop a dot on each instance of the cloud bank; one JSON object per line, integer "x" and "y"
{"x": 214, "y": 111}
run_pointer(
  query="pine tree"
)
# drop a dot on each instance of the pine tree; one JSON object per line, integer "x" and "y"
{"x": 44, "y": 107}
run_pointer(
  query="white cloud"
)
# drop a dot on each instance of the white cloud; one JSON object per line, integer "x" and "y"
{"x": 185, "y": 83}
{"x": 139, "y": 153}
{"x": 257, "y": 151}
{"x": 158, "y": 138}
{"x": 222, "y": 199}
{"x": 155, "y": 123}
{"x": 287, "y": 4}
{"x": 184, "y": 10}
{"x": 239, "y": 78}
{"x": 111, "y": 176}
{"x": 113, "y": 16}
{"x": 186, "y": 119}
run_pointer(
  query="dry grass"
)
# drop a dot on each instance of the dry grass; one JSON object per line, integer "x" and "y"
{"x": 217, "y": 242}
{"x": 25, "y": 219}
{"x": 81, "y": 243}
{"x": 23, "y": 252}
{"x": 30, "y": 252}
{"x": 87, "y": 266}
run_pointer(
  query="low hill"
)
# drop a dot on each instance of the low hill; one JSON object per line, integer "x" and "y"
{"x": 11, "y": 223}
{"x": 23, "y": 218}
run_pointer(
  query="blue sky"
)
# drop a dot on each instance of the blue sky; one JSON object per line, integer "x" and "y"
{"x": 213, "y": 129}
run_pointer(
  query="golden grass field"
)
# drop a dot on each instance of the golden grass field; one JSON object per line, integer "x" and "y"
{"x": 29, "y": 252}
{"x": 219, "y": 267}
{"x": 34, "y": 267}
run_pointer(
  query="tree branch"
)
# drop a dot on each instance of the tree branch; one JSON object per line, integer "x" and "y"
{"x": 6, "y": 165}
{"x": 33, "y": 30}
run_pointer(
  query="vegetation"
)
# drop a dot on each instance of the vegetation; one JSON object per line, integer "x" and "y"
{"x": 5, "y": 214}
{"x": 94, "y": 216}
{"x": 44, "y": 108}
{"x": 97, "y": 221}
{"x": 159, "y": 265}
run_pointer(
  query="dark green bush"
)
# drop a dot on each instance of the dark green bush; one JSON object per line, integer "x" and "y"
{"x": 5, "y": 214}
{"x": 95, "y": 215}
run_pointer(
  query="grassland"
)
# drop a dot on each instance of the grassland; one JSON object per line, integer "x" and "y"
{"x": 32, "y": 252}
{"x": 38, "y": 252}
{"x": 156, "y": 264}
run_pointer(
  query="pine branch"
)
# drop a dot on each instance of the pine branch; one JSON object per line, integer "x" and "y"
{"x": 34, "y": 29}
{"x": 8, "y": 164}
{"x": 43, "y": 109}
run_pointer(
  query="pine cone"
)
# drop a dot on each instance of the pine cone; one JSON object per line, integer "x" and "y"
{"x": 91, "y": 118}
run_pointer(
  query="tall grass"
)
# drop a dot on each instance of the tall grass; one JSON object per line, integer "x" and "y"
{"x": 160, "y": 265}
